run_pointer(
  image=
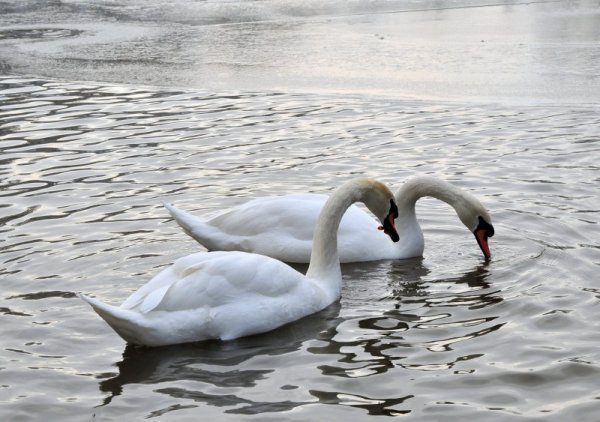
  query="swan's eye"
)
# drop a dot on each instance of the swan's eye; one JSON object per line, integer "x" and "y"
{"x": 484, "y": 225}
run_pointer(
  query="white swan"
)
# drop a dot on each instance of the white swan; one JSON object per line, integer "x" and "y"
{"x": 227, "y": 295}
{"x": 281, "y": 226}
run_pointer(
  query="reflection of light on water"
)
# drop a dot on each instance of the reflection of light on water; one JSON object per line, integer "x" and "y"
{"x": 373, "y": 406}
{"x": 444, "y": 345}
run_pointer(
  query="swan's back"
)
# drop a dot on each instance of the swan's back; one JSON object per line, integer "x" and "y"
{"x": 278, "y": 215}
{"x": 282, "y": 227}
{"x": 213, "y": 279}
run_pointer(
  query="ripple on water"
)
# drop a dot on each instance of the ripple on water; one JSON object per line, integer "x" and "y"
{"x": 38, "y": 33}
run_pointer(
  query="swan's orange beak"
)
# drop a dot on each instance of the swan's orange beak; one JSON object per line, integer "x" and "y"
{"x": 389, "y": 224}
{"x": 482, "y": 240}
{"x": 484, "y": 231}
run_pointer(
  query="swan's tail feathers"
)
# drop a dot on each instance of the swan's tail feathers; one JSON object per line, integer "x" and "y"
{"x": 201, "y": 230}
{"x": 193, "y": 226}
{"x": 127, "y": 324}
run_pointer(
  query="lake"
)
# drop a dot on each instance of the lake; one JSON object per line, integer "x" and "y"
{"x": 86, "y": 164}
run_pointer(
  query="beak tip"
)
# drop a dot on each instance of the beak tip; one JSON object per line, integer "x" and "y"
{"x": 482, "y": 240}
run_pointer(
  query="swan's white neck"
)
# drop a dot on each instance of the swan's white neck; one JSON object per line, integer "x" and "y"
{"x": 324, "y": 260}
{"x": 411, "y": 236}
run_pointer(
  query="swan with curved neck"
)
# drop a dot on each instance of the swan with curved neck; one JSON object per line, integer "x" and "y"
{"x": 469, "y": 210}
{"x": 281, "y": 226}
{"x": 226, "y": 295}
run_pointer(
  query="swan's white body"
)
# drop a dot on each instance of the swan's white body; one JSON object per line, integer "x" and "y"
{"x": 222, "y": 295}
{"x": 226, "y": 295}
{"x": 281, "y": 226}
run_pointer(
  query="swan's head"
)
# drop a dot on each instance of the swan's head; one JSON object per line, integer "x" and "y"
{"x": 380, "y": 201}
{"x": 470, "y": 211}
{"x": 477, "y": 219}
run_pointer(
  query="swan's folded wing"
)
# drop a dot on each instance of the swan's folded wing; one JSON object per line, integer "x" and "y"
{"x": 220, "y": 278}
{"x": 158, "y": 286}
{"x": 294, "y": 215}
{"x": 153, "y": 299}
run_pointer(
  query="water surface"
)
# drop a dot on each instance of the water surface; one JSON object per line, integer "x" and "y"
{"x": 85, "y": 167}
{"x": 208, "y": 104}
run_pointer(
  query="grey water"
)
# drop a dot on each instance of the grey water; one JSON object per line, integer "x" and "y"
{"x": 88, "y": 153}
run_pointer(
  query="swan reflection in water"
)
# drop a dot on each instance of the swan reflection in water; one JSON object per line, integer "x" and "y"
{"x": 422, "y": 317}
{"x": 400, "y": 338}
{"x": 145, "y": 365}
